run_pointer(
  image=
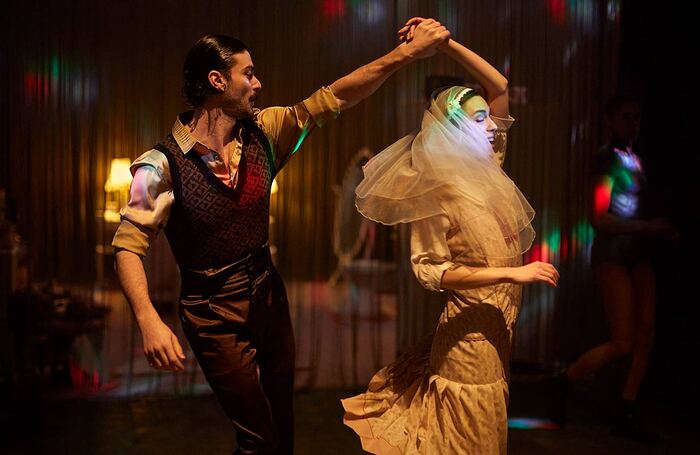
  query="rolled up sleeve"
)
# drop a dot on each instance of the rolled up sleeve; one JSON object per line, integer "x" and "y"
{"x": 430, "y": 255}
{"x": 322, "y": 106}
{"x": 287, "y": 127}
{"x": 150, "y": 200}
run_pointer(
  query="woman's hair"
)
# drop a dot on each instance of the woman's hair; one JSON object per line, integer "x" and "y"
{"x": 474, "y": 91}
{"x": 211, "y": 52}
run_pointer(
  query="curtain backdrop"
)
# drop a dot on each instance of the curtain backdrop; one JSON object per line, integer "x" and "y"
{"x": 84, "y": 82}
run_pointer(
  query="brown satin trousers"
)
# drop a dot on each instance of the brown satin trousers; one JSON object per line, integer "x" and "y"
{"x": 236, "y": 319}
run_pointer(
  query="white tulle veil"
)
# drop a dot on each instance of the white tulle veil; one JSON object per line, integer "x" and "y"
{"x": 447, "y": 168}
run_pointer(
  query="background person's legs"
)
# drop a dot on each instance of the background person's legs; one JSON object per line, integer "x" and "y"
{"x": 616, "y": 289}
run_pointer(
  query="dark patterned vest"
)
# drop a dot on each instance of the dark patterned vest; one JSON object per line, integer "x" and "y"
{"x": 211, "y": 224}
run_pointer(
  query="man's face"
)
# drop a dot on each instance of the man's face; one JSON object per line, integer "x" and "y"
{"x": 242, "y": 87}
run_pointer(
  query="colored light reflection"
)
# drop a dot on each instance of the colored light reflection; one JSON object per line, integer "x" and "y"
{"x": 582, "y": 236}
{"x": 601, "y": 195}
{"x": 577, "y": 132}
{"x": 84, "y": 380}
{"x": 580, "y": 14}
{"x": 58, "y": 80}
{"x": 554, "y": 241}
{"x": 622, "y": 174}
{"x": 369, "y": 11}
{"x": 569, "y": 53}
{"x": 527, "y": 423}
{"x": 614, "y": 11}
{"x": 304, "y": 132}
{"x": 55, "y": 67}
{"x": 447, "y": 14}
{"x": 333, "y": 8}
{"x": 557, "y": 246}
{"x": 557, "y": 11}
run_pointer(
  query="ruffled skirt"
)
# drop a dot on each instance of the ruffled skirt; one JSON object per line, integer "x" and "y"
{"x": 447, "y": 395}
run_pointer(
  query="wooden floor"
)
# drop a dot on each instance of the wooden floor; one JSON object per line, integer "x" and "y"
{"x": 196, "y": 425}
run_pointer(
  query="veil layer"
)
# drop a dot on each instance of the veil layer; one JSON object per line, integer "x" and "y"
{"x": 447, "y": 168}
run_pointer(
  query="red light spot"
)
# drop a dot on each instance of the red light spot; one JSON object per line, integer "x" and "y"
{"x": 545, "y": 253}
{"x": 557, "y": 10}
{"x": 602, "y": 193}
{"x": 30, "y": 87}
{"x": 47, "y": 89}
{"x": 30, "y": 82}
{"x": 333, "y": 8}
{"x": 564, "y": 252}
{"x": 535, "y": 253}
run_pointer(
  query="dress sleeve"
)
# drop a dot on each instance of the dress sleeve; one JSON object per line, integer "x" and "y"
{"x": 501, "y": 140}
{"x": 430, "y": 255}
{"x": 287, "y": 127}
{"x": 150, "y": 200}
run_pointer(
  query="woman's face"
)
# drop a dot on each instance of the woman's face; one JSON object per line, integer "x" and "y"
{"x": 478, "y": 110}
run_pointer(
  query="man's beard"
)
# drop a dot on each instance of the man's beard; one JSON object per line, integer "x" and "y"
{"x": 239, "y": 111}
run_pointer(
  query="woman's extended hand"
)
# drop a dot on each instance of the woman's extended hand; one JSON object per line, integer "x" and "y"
{"x": 534, "y": 272}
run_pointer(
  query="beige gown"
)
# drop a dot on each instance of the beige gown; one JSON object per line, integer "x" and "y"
{"x": 448, "y": 394}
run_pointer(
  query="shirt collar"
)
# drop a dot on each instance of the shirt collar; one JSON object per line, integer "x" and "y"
{"x": 184, "y": 138}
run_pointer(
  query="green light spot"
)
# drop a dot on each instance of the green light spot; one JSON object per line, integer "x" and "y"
{"x": 302, "y": 136}
{"x": 55, "y": 67}
{"x": 553, "y": 241}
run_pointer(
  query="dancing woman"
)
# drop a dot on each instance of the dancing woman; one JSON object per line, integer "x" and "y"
{"x": 470, "y": 226}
